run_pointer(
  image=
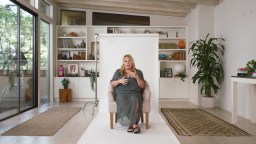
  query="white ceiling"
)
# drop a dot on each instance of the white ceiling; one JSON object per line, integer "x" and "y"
{"x": 179, "y": 8}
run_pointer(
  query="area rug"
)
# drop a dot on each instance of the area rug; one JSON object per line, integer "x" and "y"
{"x": 44, "y": 124}
{"x": 189, "y": 122}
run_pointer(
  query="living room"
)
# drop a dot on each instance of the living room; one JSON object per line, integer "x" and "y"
{"x": 37, "y": 33}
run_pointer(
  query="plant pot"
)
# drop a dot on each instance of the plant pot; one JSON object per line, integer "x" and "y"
{"x": 208, "y": 102}
{"x": 65, "y": 86}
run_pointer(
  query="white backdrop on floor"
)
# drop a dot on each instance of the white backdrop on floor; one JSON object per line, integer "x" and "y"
{"x": 143, "y": 48}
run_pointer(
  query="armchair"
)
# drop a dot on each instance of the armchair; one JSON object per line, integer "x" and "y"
{"x": 145, "y": 105}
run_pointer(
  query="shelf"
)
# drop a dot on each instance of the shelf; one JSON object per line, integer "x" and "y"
{"x": 169, "y": 38}
{"x": 175, "y": 77}
{"x": 77, "y": 60}
{"x": 72, "y": 49}
{"x": 172, "y": 61}
{"x": 72, "y": 37}
{"x": 171, "y": 50}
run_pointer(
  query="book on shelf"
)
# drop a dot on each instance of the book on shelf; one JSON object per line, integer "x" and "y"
{"x": 65, "y": 43}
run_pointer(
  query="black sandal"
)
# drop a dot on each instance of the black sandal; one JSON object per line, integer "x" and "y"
{"x": 136, "y": 130}
{"x": 130, "y": 129}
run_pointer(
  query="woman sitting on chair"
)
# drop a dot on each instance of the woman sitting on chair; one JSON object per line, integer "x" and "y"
{"x": 128, "y": 83}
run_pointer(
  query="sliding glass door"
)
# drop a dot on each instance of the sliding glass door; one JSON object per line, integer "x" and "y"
{"x": 26, "y": 59}
{"x": 17, "y": 46}
{"x": 44, "y": 79}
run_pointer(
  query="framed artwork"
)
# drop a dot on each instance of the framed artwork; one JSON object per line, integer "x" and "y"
{"x": 93, "y": 48}
{"x": 65, "y": 55}
{"x": 71, "y": 17}
{"x": 168, "y": 72}
{"x": 72, "y": 68}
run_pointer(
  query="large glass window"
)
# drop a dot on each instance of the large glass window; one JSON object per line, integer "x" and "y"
{"x": 44, "y": 62}
{"x": 17, "y": 44}
{"x": 45, "y": 7}
{"x": 26, "y": 59}
{"x": 69, "y": 17}
{"x": 119, "y": 19}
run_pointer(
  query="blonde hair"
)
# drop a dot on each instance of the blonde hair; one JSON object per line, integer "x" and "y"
{"x": 122, "y": 69}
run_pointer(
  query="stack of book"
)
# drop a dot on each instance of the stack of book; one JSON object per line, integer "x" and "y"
{"x": 242, "y": 72}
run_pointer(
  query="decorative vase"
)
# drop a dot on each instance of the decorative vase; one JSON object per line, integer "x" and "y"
{"x": 179, "y": 68}
{"x": 182, "y": 44}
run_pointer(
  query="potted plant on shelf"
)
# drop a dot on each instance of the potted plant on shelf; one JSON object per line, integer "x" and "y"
{"x": 65, "y": 82}
{"x": 206, "y": 57}
{"x": 250, "y": 67}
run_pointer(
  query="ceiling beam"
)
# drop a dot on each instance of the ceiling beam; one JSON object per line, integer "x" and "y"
{"x": 135, "y": 6}
{"x": 132, "y": 2}
{"x": 158, "y": 7}
{"x": 119, "y": 9}
{"x": 207, "y": 2}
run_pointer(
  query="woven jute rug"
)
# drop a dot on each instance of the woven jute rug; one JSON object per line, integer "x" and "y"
{"x": 189, "y": 122}
{"x": 44, "y": 124}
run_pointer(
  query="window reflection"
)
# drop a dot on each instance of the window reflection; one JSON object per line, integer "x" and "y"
{"x": 16, "y": 58}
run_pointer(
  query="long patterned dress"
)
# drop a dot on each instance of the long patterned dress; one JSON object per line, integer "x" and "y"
{"x": 128, "y": 99}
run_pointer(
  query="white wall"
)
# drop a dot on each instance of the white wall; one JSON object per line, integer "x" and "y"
{"x": 192, "y": 21}
{"x": 235, "y": 20}
{"x": 200, "y": 22}
{"x": 206, "y": 20}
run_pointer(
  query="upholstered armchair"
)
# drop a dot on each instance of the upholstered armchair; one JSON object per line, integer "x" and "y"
{"x": 145, "y": 105}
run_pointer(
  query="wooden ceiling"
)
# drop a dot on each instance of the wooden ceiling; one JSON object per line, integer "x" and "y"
{"x": 179, "y": 8}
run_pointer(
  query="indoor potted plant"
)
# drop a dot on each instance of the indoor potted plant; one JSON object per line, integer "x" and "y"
{"x": 206, "y": 57}
{"x": 250, "y": 67}
{"x": 65, "y": 82}
{"x": 92, "y": 80}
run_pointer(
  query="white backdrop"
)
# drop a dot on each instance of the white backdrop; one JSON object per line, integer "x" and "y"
{"x": 143, "y": 48}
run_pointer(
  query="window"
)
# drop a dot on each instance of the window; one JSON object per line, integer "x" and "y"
{"x": 17, "y": 45}
{"x": 69, "y": 17}
{"x": 31, "y": 2}
{"x": 45, "y": 7}
{"x": 44, "y": 62}
{"x": 119, "y": 19}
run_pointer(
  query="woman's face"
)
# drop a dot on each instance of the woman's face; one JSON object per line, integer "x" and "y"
{"x": 127, "y": 63}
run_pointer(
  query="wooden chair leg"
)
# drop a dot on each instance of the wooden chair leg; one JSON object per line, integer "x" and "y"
{"x": 111, "y": 120}
{"x": 147, "y": 117}
{"x": 142, "y": 118}
{"x": 115, "y": 117}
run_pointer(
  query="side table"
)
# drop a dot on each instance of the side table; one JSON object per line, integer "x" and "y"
{"x": 65, "y": 95}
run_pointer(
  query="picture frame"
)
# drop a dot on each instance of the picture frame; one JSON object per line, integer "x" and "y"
{"x": 73, "y": 69}
{"x": 93, "y": 48}
{"x": 65, "y": 55}
{"x": 168, "y": 72}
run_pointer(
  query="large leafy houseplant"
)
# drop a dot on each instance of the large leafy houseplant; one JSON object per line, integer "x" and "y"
{"x": 206, "y": 57}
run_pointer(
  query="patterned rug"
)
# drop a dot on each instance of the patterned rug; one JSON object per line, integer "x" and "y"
{"x": 44, "y": 124}
{"x": 189, "y": 122}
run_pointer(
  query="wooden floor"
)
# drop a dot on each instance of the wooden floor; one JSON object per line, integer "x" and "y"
{"x": 73, "y": 129}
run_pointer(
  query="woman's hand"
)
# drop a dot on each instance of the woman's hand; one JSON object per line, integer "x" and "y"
{"x": 133, "y": 75}
{"x": 136, "y": 76}
{"x": 123, "y": 81}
